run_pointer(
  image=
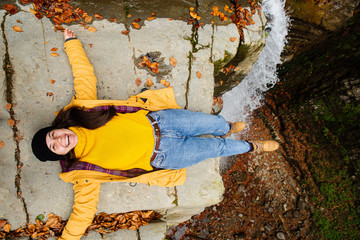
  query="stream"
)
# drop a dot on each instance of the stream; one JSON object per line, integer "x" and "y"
{"x": 247, "y": 96}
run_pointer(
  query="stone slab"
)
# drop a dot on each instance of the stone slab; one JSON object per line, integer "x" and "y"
{"x": 9, "y": 203}
{"x": 153, "y": 231}
{"x": 122, "y": 234}
{"x": 168, "y": 38}
{"x": 222, "y": 43}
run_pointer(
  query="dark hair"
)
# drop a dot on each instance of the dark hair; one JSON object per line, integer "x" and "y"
{"x": 76, "y": 117}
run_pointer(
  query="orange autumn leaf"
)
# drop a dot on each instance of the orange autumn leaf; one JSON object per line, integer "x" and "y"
{"x": 54, "y": 49}
{"x": 233, "y": 39}
{"x": 163, "y": 81}
{"x": 167, "y": 84}
{"x": 98, "y": 16}
{"x": 11, "y": 122}
{"x": 138, "y": 82}
{"x": 2, "y": 144}
{"x": 52, "y": 81}
{"x": 8, "y": 106}
{"x": 54, "y": 54}
{"x": 125, "y": 32}
{"x": 49, "y": 94}
{"x": 88, "y": 19}
{"x": 92, "y": 29}
{"x": 136, "y": 25}
{"x": 149, "y": 82}
{"x": 17, "y": 29}
{"x": 112, "y": 19}
{"x": 173, "y": 62}
{"x": 7, "y": 228}
{"x": 12, "y": 9}
{"x": 151, "y": 18}
{"x": 198, "y": 74}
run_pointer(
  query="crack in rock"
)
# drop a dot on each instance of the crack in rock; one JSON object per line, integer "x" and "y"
{"x": 9, "y": 72}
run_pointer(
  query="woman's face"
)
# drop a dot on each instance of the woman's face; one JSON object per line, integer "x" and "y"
{"x": 61, "y": 141}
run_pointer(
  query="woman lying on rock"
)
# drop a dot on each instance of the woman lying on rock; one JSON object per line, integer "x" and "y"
{"x": 146, "y": 139}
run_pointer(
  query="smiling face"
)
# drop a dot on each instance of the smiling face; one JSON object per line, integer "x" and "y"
{"x": 61, "y": 141}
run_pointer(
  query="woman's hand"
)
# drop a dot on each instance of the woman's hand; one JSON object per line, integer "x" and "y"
{"x": 68, "y": 34}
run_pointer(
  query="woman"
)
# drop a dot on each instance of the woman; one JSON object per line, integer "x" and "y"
{"x": 146, "y": 139}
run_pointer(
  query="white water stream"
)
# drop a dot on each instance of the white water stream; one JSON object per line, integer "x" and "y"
{"x": 247, "y": 96}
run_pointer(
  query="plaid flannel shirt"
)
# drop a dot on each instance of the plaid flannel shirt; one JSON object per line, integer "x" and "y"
{"x": 88, "y": 166}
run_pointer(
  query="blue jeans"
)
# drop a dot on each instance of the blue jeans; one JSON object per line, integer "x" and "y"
{"x": 179, "y": 145}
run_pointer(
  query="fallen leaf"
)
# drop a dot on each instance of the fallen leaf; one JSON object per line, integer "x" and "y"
{"x": 173, "y": 62}
{"x": 7, "y": 228}
{"x": 129, "y": 15}
{"x": 149, "y": 82}
{"x": 125, "y": 32}
{"x": 98, "y": 16}
{"x": 90, "y": 45}
{"x": 137, "y": 20}
{"x": 167, "y": 84}
{"x": 54, "y": 54}
{"x": 138, "y": 82}
{"x": 8, "y": 106}
{"x": 191, "y": 8}
{"x": 25, "y": 1}
{"x": 88, "y": 19}
{"x": 11, "y": 122}
{"x": 151, "y": 18}
{"x": 233, "y": 39}
{"x": 18, "y": 21}
{"x": 198, "y": 74}
{"x": 49, "y": 94}
{"x": 112, "y": 19}
{"x": 52, "y": 81}
{"x": 33, "y": 11}
{"x": 54, "y": 49}
{"x": 17, "y": 29}
{"x": 92, "y": 29}
{"x": 136, "y": 25}
{"x": 12, "y": 9}
{"x": 2, "y": 144}
{"x": 170, "y": 19}
{"x": 162, "y": 81}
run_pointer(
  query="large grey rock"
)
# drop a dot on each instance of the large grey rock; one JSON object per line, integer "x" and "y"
{"x": 153, "y": 231}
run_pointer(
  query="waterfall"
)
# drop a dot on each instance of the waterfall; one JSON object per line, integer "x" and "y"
{"x": 247, "y": 96}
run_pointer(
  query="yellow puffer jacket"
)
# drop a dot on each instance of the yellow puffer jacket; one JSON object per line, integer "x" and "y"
{"x": 86, "y": 182}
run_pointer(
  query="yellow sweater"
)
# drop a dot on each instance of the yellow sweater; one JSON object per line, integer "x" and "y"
{"x": 123, "y": 143}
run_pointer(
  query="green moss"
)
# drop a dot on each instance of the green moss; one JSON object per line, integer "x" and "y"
{"x": 218, "y": 64}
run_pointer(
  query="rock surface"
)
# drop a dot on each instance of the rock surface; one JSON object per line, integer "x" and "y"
{"x": 35, "y": 99}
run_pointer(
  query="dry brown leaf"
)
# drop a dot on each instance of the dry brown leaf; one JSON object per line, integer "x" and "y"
{"x": 125, "y": 32}
{"x": 7, "y": 228}
{"x": 112, "y": 19}
{"x": 10, "y": 8}
{"x": 88, "y": 19}
{"x": 11, "y": 122}
{"x": 49, "y": 94}
{"x": 149, "y": 82}
{"x": 2, "y": 144}
{"x": 233, "y": 39}
{"x": 136, "y": 25}
{"x": 137, "y": 20}
{"x": 167, "y": 84}
{"x": 98, "y": 16}
{"x": 8, "y": 106}
{"x": 92, "y": 29}
{"x": 173, "y": 62}
{"x": 198, "y": 74}
{"x": 54, "y": 54}
{"x": 54, "y": 49}
{"x": 18, "y": 21}
{"x": 17, "y": 29}
{"x": 2, "y": 223}
{"x": 138, "y": 82}
{"x": 52, "y": 81}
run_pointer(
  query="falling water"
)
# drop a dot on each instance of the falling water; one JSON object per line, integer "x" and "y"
{"x": 247, "y": 96}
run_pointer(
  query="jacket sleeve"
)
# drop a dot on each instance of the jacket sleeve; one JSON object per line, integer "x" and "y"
{"x": 84, "y": 209}
{"x": 83, "y": 72}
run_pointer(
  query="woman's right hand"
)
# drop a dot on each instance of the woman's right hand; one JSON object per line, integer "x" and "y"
{"x": 68, "y": 34}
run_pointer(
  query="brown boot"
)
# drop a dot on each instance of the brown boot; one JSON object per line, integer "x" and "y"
{"x": 235, "y": 127}
{"x": 265, "y": 146}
